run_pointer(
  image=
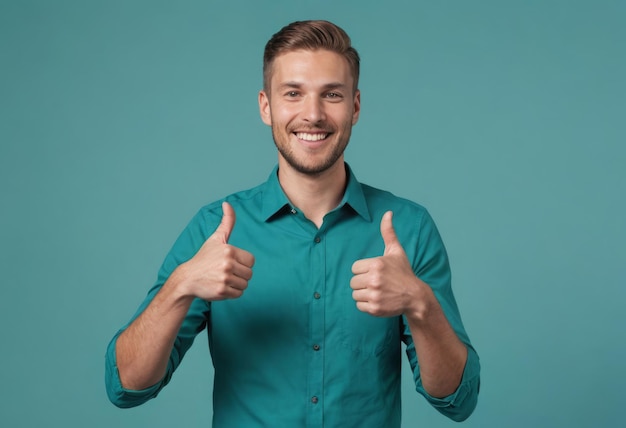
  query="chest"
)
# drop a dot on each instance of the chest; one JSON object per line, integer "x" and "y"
{"x": 300, "y": 293}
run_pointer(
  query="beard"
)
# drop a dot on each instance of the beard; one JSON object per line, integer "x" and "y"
{"x": 313, "y": 167}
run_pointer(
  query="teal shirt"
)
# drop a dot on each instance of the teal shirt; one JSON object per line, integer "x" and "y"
{"x": 294, "y": 351}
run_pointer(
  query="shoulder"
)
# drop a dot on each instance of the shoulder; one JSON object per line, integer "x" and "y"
{"x": 380, "y": 201}
{"x": 244, "y": 201}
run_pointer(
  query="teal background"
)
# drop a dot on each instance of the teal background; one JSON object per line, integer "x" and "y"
{"x": 119, "y": 119}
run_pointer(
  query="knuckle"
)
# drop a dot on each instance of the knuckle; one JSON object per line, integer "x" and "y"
{"x": 376, "y": 280}
{"x": 228, "y": 251}
{"x": 223, "y": 278}
{"x": 226, "y": 267}
{"x": 220, "y": 293}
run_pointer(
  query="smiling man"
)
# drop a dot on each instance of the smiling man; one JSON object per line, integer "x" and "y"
{"x": 309, "y": 283}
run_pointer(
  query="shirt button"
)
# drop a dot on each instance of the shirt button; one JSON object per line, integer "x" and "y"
{"x": 318, "y": 239}
{"x": 314, "y": 400}
{"x": 293, "y": 211}
{"x": 317, "y": 295}
{"x": 316, "y": 347}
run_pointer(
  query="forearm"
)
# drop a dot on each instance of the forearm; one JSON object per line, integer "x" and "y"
{"x": 143, "y": 349}
{"x": 441, "y": 355}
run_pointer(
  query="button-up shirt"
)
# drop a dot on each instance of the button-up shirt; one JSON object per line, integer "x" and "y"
{"x": 294, "y": 350}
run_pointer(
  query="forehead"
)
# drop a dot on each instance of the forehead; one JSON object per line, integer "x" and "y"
{"x": 310, "y": 67}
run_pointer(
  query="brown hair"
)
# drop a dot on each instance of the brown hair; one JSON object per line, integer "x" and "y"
{"x": 310, "y": 35}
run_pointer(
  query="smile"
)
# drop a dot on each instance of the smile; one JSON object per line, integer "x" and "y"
{"x": 311, "y": 137}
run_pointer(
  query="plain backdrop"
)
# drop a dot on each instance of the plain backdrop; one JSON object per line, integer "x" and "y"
{"x": 119, "y": 119}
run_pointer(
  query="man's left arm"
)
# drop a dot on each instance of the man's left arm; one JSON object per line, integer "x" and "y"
{"x": 388, "y": 286}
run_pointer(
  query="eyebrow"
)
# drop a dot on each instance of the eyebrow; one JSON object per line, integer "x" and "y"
{"x": 326, "y": 87}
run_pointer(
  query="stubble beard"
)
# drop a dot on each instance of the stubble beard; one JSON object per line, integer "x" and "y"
{"x": 313, "y": 169}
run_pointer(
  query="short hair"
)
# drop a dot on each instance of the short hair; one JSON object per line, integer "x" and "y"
{"x": 310, "y": 35}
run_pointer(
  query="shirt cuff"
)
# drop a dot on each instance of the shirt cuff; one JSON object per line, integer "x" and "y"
{"x": 459, "y": 405}
{"x": 120, "y": 396}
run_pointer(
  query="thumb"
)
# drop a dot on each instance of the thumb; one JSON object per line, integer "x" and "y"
{"x": 222, "y": 233}
{"x": 388, "y": 232}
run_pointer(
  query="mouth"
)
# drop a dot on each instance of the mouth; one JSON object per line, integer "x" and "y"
{"x": 311, "y": 137}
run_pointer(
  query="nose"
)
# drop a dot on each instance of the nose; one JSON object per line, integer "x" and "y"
{"x": 313, "y": 110}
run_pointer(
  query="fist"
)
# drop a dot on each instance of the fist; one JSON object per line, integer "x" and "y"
{"x": 218, "y": 271}
{"x": 384, "y": 286}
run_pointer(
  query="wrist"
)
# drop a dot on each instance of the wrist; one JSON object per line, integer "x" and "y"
{"x": 178, "y": 287}
{"x": 422, "y": 304}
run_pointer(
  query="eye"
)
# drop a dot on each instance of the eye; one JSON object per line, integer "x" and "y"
{"x": 292, "y": 94}
{"x": 334, "y": 96}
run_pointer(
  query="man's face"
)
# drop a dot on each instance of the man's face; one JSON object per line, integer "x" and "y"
{"x": 311, "y": 107}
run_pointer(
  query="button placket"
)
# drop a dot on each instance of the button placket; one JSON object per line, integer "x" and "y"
{"x": 317, "y": 329}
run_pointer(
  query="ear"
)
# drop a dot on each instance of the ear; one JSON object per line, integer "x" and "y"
{"x": 357, "y": 107}
{"x": 264, "y": 108}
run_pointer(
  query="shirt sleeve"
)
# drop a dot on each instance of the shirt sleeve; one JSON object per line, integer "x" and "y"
{"x": 431, "y": 266}
{"x": 185, "y": 247}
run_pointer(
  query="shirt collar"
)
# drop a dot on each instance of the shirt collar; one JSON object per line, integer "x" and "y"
{"x": 275, "y": 202}
{"x": 274, "y": 199}
{"x": 354, "y": 196}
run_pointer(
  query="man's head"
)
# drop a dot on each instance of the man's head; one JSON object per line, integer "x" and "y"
{"x": 310, "y": 35}
{"x": 310, "y": 96}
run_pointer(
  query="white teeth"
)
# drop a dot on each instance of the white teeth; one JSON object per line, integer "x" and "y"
{"x": 310, "y": 137}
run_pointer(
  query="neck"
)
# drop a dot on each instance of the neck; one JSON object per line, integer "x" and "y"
{"x": 314, "y": 195}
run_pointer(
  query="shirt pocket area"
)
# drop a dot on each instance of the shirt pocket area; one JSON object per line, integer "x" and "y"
{"x": 366, "y": 334}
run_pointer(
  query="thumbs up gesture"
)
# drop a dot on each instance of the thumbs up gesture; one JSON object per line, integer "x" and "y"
{"x": 385, "y": 286}
{"x": 218, "y": 271}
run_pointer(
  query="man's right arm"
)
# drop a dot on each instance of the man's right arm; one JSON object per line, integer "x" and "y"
{"x": 217, "y": 271}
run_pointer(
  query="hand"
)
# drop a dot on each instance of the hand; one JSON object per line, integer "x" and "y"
{"x": 385, "y": 286}
{"x": 218, "y": 271}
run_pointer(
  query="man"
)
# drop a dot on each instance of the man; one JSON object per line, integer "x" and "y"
{"x": 308, "y": 283}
